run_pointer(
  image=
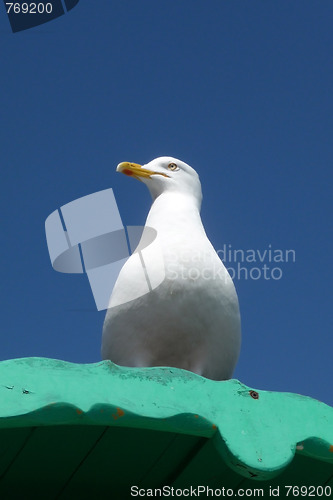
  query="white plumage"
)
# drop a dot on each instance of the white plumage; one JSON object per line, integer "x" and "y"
{"x": 188, "y": 315}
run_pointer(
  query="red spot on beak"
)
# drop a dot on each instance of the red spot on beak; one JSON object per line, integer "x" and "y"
{"x": 127, "y": 171}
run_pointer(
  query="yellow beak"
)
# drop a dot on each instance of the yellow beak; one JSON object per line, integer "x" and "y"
{"x": 135, "y": 170}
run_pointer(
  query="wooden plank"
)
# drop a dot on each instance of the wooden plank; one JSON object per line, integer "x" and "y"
{"x": 207, "y": 468}
{"x": 12, "y": 442}
{"x": 179, "y": 453}
{"x": 120, "y": 459}
{"x": 47, "y": 460}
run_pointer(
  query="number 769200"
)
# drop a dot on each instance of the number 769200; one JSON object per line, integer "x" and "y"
{"x": 28, "y": 8}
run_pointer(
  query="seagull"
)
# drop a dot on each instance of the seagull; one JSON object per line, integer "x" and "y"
{"x": 174, "y": 303}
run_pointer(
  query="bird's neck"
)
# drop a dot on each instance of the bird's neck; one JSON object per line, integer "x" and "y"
{"x": 178, "y": 211}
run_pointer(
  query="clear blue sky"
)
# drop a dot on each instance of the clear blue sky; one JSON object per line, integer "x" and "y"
{"x": 242, "y": 91}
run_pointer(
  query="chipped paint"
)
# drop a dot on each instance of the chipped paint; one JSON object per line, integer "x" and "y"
{"x": 120, "y": 413}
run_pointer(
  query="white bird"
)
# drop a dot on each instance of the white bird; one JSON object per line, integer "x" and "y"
{"x": 174, "y": 303}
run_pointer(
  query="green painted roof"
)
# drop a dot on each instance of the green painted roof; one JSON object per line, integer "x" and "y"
{"x": 99, "y": 428}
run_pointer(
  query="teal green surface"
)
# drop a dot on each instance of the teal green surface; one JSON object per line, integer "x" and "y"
{"x": 255, "y": 433}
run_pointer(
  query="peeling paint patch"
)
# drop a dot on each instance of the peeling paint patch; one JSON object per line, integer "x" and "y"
{"x": 120, "y": 413}
{"x": 79, "y": 412}
{"x": 331, "y": 448}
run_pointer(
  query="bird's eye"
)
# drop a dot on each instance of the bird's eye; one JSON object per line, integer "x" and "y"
{"x": 173, "y": 166}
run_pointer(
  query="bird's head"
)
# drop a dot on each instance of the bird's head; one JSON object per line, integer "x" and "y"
{"x": 165, "y": 174}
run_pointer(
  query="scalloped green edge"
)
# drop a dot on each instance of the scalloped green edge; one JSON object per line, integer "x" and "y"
{"x": 255, "y": 432}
